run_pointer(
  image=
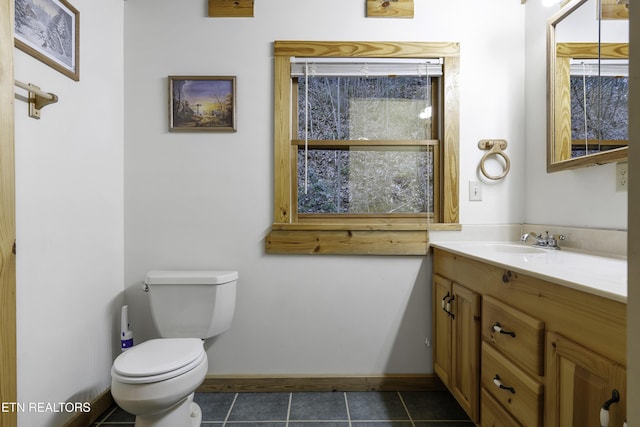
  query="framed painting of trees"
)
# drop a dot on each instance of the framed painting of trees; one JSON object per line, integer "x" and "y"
{"x": 49, "y": 30}
{"x": 202, "y": 103}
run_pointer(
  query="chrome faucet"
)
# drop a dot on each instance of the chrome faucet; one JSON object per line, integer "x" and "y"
{"x": 547, "y": 242}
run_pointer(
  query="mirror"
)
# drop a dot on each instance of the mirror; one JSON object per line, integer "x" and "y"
{"x": 587, "y": 84}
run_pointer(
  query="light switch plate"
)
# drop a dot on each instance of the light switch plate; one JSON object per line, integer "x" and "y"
{"x": 475, "y": 191}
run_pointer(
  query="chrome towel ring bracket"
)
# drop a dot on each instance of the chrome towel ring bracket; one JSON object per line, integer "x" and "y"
{"x": 494, "y": 146}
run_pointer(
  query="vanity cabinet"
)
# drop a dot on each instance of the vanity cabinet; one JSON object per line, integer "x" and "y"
{"x": 457, "y": 346}
{"x": 544, "y": 354}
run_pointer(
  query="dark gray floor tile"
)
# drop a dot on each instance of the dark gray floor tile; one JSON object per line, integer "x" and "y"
{"x": 445, "y": 424}
{"x": 105, "y": 414}
{"x": 328, "y": 406}
{"x": 255, "y": 424}
{"x": 115, "y": 423}
{"x": 260, "y": 407}
{"x": 119, "y": 416}
{"x": 371, "y": 405}
{"x": 319, "y": 424}
{"x": 382, "y": 424}
{"x": 214, "y": 406}
{"x": 315, "y": 409}
{"x": 433, "y": 406}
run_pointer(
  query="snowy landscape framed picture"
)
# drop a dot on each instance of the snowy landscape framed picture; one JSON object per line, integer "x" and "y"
{"x": 202, "y": 103}
{"x": 49, "y": 30}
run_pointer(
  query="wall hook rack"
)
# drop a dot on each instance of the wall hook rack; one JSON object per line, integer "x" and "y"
{"x": 37, "y": 98}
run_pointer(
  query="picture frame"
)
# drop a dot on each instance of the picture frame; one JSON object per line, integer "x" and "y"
{"x": 49, "y": 30}
{"x": 202, "y": 103}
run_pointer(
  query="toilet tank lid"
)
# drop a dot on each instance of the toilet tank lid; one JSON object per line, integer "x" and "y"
{"x": 190, "y": 277}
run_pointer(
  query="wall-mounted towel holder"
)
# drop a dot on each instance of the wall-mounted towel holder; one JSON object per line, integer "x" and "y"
{"x": 37, "y": 98}
{"x": 494, "y": 146}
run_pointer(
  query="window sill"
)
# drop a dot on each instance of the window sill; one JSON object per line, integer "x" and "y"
{"x": 352, "y": 239}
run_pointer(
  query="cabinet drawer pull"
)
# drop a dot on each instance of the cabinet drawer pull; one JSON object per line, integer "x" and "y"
{"x": 604, "y": 411}
{"x": 444, "y": 304}
{"x": 498, "y": 383}
{"x": 497, "y": 328}
{"x": 453, "y": 316}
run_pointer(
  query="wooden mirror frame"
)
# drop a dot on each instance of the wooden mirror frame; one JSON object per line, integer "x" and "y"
{"x": 554, "y": 113}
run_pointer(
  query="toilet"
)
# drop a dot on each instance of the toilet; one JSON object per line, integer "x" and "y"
{"x": 156, "y": 380}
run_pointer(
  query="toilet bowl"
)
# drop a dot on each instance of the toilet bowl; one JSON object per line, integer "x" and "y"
{"x": 156, "y": 381}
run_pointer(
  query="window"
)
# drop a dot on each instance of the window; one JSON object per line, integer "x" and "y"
{"x": 590, "y": 107}
{"x": 599, "y": 105}
{"x": 365, "y": 146}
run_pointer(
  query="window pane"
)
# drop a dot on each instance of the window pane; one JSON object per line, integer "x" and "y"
{"x": 603, "y": 101}
{"x": 366, "y": 180}
{"x": 360, "y": 107}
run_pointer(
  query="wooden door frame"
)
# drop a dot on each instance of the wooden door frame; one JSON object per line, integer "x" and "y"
{"x": 8, "y": 373}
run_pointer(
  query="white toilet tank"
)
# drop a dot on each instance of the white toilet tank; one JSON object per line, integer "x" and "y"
{"x": 191, "y": 304}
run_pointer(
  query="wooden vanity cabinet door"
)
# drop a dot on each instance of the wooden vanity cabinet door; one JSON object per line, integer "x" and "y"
{"x": 456, "y": 355}
{"x": 579, "y": 381}
{"x": 442, "y": 328}
{"x": 465, "y": 349}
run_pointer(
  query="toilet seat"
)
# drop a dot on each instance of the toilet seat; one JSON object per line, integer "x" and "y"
{"x": 158, "y": 360}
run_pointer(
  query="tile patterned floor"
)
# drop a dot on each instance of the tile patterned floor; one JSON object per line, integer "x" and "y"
{"x": 319, "y": 409}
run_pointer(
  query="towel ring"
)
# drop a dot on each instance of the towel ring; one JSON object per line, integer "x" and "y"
{"x": 495, "y": 146}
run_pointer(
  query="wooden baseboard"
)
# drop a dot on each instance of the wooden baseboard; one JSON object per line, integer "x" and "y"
{"x": 99, "y": 405}
{"x": 417, "y": 382}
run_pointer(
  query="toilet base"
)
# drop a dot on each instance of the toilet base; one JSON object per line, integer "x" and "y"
{"x": 185, "y": 413}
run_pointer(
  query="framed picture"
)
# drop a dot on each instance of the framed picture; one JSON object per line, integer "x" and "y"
{"x": 49, "y": 30}
{"x": 202, "y": 103}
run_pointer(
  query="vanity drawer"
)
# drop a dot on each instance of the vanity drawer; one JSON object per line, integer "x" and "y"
{"x": 522, "y": 336}
{"x": 494, "y": 415}
{"x": 516, "y": 391}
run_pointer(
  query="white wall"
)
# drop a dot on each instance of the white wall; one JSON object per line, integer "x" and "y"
{"x": 581, "y": 198}
{"x": 205, "y": 200}
{"x": 69, "y": 207}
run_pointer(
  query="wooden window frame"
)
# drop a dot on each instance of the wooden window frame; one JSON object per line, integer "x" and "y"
{"x": 361, "y": 234}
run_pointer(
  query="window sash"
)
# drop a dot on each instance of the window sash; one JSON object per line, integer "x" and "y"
{"x": 436, "y": 130}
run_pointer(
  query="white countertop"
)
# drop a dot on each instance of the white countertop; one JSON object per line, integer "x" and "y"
{"x": 596, "y": 274}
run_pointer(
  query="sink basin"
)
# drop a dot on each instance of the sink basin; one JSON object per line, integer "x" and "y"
{"x": 506, "y": 248}
{"x": 517, "y": 249}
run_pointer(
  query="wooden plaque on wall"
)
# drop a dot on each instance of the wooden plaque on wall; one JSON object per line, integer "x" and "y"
{"x": 231, "y": 8}
{"x": 390, "y": 8}
{"x": 615, "y": 9}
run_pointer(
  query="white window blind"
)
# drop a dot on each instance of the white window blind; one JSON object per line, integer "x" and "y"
{"x": 608, "y": 68}
{"x": 327, "y": 67}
